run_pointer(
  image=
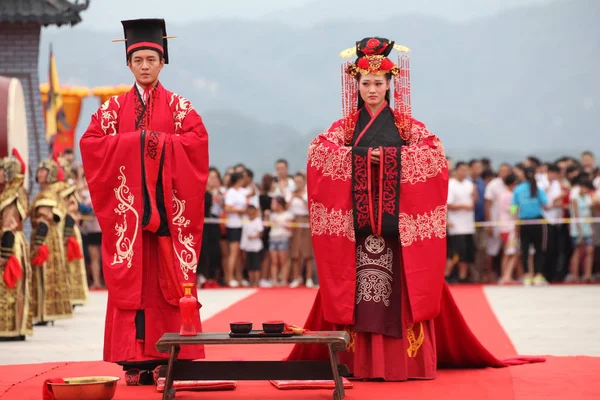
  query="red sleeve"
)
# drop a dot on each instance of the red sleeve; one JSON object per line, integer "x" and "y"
{"x": 112, "y": 164}
{"x": 423, "y": 197}
{"x": 329, "y": 184}
{"x": 187, "y": 162}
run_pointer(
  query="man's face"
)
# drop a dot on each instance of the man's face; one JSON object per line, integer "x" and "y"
{"x": 587, "y": 161}
{"x": 42, "y": 175}
{"x": 69, "y": 157}
{"x": 503, "y": 171}
{"x": 476, "y": 169}
{"x": 146, "y": 65}
{"x": 461, "y": 172}
{"x": 281, "y": 169}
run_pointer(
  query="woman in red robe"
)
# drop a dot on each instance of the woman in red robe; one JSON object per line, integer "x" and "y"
{"x": 145, "y": 155}
{"x": 378, "y": 186}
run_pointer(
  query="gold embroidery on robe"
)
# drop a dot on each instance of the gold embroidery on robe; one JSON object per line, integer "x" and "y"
{"x": 414, "y": 344}
{"x": 352, "y": 343}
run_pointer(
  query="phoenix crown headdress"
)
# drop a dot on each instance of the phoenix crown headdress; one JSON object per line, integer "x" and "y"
{"x": 372, "y": 58}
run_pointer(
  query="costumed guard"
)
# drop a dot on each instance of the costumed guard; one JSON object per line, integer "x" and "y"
{"x": 15, "y": 286}
{"x": 145, "y": 154}
{"x": 73, "y": 242}
{"x": 51, "y": 298}
{"x": 377, "y": 188}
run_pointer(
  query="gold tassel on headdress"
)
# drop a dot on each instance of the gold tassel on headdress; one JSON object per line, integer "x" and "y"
{"x": 402, "y": 86}
{"x": 349, "y": 90}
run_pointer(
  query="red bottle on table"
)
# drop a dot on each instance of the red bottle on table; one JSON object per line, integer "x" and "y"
{"x": 187, "y": 306}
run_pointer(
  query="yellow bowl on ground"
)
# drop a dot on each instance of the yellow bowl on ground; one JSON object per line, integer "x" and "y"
{"x": 86, "y": 388}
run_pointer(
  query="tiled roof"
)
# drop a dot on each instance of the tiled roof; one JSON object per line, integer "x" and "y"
{"x": 43, "y": 12}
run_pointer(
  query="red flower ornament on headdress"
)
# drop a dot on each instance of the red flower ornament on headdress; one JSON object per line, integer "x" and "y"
{"x": 373, "y": 43}
{"x": 372, "y": 58}
{"x": 374, "y": 47}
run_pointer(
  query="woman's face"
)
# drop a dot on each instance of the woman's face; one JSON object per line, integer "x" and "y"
{"x": 519, "y": 173}
{"x": 226, "y": 179}
{"x": 275, "y": 206}
{"x": 300, "y": 182}
{"x": 372, "y": 89}
{"x": 213, "y": 180}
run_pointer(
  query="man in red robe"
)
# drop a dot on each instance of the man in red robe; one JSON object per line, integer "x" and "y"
{"x": 145, "y": 155}
{"x": 377, "y": 188}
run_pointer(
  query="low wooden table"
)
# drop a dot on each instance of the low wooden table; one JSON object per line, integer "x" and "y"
{"x": 254, "y": 370}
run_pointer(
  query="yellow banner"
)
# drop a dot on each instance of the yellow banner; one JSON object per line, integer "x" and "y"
{"x": 71, "y": 99}
{"x": 106, "y": 92}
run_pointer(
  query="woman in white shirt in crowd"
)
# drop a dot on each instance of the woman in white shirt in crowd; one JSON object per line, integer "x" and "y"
{"x": 507, "y": 229}
{"x": 235, "y": 207}
{"x": 279, "y": 241}
{"x": 211, "y": 262}
{"x": 252, "y": 192}
{"x": 582, "y": 234}
{"x": 462, "y": 196}
{"x": 252, "y": 244}
{"x": 284, "y": 184}
{"x": 300, "y": 243}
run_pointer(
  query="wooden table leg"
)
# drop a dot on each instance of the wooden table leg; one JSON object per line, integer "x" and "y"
{"x": 169, "y": 391}
{"x": 339, "y": 392}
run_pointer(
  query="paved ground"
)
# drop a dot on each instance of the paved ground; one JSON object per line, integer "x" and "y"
{"x": 557, "y": 320}
{"x": 84, "y": 333}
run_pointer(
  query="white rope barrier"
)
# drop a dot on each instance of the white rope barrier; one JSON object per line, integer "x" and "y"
{"x": 558, "y": 221}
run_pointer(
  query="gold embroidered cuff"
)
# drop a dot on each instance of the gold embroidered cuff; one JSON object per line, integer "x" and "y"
{"x": 6, "y": 252}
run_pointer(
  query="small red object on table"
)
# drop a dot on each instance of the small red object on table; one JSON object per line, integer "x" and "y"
{"x": 187, "y": 306}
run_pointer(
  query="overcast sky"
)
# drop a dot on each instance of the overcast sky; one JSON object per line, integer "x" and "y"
{"x": 106, "y": 15}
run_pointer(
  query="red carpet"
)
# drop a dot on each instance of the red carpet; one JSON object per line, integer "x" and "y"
{"x": 559, "y": 378}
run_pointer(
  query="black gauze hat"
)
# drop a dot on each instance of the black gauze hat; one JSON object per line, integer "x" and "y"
{"x": 146, "y": 34}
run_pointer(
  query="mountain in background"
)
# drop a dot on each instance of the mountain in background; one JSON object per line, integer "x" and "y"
{"x": 504, "y": 86}
{"x": 320, "y": 11}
